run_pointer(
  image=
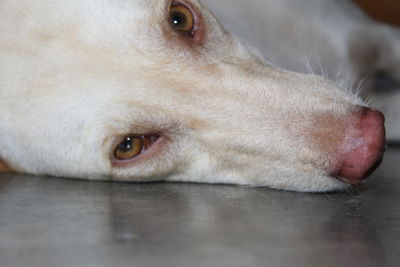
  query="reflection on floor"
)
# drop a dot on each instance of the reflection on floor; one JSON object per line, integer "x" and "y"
{"x": 61, "y": 222}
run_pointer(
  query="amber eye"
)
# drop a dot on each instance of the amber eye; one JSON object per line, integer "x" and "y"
{"x": 134, "y": 145}
{"x": 182, "y": 18}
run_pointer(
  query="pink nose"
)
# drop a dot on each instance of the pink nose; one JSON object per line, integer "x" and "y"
{"x": 363, "y": 147}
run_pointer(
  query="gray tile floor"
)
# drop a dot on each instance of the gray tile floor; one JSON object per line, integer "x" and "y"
{"x": 60, "y": 222}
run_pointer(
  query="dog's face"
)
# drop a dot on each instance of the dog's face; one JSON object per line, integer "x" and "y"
{"x": 145, "y": 90}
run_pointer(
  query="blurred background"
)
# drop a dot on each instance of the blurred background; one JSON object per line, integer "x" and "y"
{"x": 387, "y": 11}
{"x": 383, "y": 10}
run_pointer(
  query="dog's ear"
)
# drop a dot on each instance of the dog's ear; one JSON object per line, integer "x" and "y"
{"x": 4, "y": 167}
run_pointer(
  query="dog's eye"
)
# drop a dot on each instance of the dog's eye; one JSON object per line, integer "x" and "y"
{"x": 133, "y": 146}
{"x": 182, "y": 18}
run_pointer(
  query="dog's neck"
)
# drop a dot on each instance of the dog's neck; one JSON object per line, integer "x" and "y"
{"x": 4, "y": 167}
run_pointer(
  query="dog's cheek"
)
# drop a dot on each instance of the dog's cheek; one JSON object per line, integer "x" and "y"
{"x": 4, "y": 167}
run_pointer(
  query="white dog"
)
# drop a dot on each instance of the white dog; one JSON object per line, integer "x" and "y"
{"x": 144, "y": 90}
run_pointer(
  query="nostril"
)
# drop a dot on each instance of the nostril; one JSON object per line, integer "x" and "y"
{"x": 363, "y": 146}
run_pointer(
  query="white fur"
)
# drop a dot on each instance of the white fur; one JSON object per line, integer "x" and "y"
{"x": 77, "y": 75}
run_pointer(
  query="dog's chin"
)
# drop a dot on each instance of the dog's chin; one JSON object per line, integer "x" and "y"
{"x": 321, "y": 185}
{"x": 301, "y": 183}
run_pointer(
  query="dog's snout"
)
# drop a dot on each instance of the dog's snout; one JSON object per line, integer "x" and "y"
{"x": 363, "y": 146}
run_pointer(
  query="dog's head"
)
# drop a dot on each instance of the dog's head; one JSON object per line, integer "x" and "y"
{"x": 147, "y": 90}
